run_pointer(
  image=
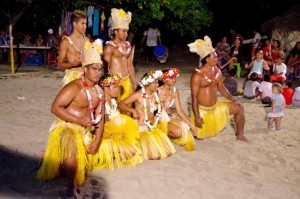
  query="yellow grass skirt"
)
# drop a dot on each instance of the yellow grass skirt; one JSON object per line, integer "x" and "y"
{"x": 72, "y": 74}
{"x": 66, "y": 140}
{"x": 120, "y": 144}
{"x": 215, "y": 118}
{"x": 155, "y": 144}
{"x": 125, "y": 89}
{"x": 187, "y": 139}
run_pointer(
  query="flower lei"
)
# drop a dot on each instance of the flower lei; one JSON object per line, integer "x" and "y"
{"x": 111, "y": 111}
{"x": 151, "y": 77}
{"x": 110, "y": 79}
{"x": 91, "y": 108}
{"x": 157, "y": 115}
{"x": 204, "y": 75}
{"x": 121, "y": 45}
{"x": 171, "y": 73}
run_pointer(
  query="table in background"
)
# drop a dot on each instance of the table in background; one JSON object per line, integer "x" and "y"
{"x": 20, "y": 48}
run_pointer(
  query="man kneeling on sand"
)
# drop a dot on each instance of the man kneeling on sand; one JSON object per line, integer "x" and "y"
{"x": 76, "y": 134}
{"x": 209, "y": 113}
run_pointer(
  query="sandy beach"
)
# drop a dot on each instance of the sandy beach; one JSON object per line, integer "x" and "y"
{"x": 268, "y": 167}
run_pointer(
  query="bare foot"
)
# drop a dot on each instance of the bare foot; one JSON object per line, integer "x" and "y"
{"x": 73, "y": 193}
{"x": 242, "y": 138}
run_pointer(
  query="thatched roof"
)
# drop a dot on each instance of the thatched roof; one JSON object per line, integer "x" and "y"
{"x": 290, "y": 21}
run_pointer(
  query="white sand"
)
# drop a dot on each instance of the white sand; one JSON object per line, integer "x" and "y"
{"x": 268, "y": 167}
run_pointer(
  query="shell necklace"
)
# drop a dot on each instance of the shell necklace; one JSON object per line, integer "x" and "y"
{"x": 157, "y": 115}
{"x": 78, "y": 50}
{"x": 121, "y": 47}
{"x": 204, "y": 74}
{"x": 111, "y": 110}
{"x": 98, "y": 118}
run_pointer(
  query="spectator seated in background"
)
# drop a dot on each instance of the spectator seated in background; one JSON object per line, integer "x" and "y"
{"x": 231, "y": 83}
{"x": 4, "y": 40}
{"x": 287, "y": 91}
{"x": 222, "y": 49}
{"x": 39, "y": 41}
{"x": 272, "y": 52}
{"x": 296, "y": 97}
{"x": 293, "y": 62}
{"x": 49, "y": 40}
{"x": 279, "y": 70}
{"x": 251, "y": 87}
{"x": 258, "y": 65}
{"x": 236, "y": 54}
{"x": 265, "y": 90}
{"x": 27, "y": 40}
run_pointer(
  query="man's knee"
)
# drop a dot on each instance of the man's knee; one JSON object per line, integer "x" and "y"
{"x": 236, "y": 109}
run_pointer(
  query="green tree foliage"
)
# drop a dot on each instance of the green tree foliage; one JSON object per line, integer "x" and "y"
{"x": 180, "y": 16}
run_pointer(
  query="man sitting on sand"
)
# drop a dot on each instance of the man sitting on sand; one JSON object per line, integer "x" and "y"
{"x": 209, "y": 113}
{"x": 76, "y": 134}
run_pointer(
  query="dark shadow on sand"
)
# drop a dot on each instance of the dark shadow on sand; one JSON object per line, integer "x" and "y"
{"x": 17, "y": 180}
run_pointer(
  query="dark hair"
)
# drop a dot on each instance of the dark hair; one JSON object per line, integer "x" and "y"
{"x": 267, "y": 77}
{"x": 77, "y": 15}
{"x": 277, "y": 41}
{"x": 232, "y": 72}
{"x": 203, "y": 60}
{"x": 102, "y": 78}
{"x": 138, "y": 86}
{"x": 289, "y": 83}
{"x": 254, "y": 76}
{"x": 295, "y": 50}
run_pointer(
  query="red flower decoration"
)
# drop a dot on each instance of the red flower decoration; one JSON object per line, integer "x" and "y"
{"x": 85, "y": 84}
{"x": 101, "y": 100}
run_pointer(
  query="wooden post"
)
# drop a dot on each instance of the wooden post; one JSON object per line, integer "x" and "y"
{"x": 12, "y": 63}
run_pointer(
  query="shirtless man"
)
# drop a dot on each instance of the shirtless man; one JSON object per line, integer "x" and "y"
{"x": 76, "y": 134}
{"x": 71, "y": 47}
{"x": 209, "y": 113}
{"x": 118, "y": 53}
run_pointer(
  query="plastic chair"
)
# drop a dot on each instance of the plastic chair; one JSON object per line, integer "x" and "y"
{"x": 238, "y": 69}
{"x": 51, "y": 58}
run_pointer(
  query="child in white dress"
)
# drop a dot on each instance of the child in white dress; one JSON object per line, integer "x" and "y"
{"x": 278, "y": 105}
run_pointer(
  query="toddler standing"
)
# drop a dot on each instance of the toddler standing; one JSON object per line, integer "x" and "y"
{"x": 278, "y": 105}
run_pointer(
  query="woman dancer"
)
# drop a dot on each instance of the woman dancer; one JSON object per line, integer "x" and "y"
{"x": 173, "y": 120}
{"x": 155, "y": 143}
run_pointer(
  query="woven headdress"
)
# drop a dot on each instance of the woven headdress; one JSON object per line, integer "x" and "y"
{"x": 120, "y": 18}
{"x": 92, "y": 52}
{"x": 202, "y": 47}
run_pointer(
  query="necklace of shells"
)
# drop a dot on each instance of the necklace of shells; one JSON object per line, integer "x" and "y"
{"x": 204, "y": 74}
{"x": 157, "y": 115}
{"x": 98, "y": 118}
{"x": 78, "y": 50}
{"x": 121, "y": 47}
